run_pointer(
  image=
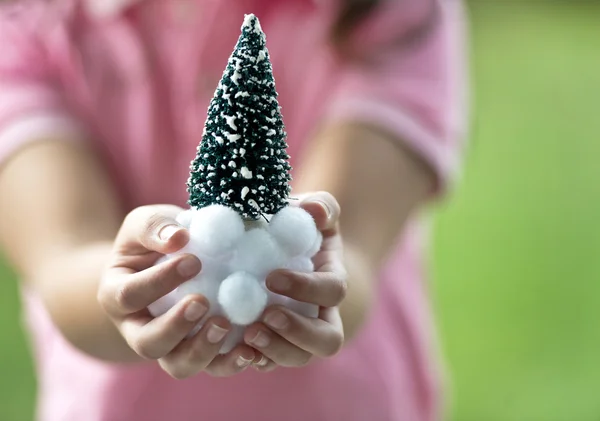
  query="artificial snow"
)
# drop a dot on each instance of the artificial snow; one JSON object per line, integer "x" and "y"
{"x": 231, "y": 121}
{"x": 237, "y": 257}
{"x": 253, "y": 203}
{"x": 236, "y": 73}
{"x": 214, "y": 231}
{"x": 300, "y": 264}
{"x": 185, "y": 218}
{"x": 246, "y": 173}
{"x": 248, "y": 19}
{"x": 242, "y": 298}
{"x": 233, "y": 137}
{"x": 258, "y": 253}
{"x": 245, "y": 192}
{"x": 294, "y": 229}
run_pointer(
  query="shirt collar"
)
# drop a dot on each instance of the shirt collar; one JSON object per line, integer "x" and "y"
{"x": 108, "y": 8}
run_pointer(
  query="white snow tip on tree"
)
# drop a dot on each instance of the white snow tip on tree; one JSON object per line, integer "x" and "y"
{"x": 251, "y": 21}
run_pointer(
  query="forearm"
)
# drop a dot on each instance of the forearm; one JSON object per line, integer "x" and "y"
{"x": 378, "y": 183}
{"x": 359, "y": 297}
{"x": 58, "y": 236}
{"x": 67, "y": 284}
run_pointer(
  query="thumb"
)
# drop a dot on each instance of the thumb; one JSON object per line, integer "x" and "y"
{"x": 152, "y": 228}
{"x": 324, "y": 209}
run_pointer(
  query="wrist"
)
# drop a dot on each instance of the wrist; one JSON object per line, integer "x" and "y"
{"x": 67, "y": 284}
{"x": 359, "y": 298}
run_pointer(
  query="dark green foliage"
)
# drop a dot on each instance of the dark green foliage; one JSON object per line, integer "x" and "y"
{"x": 242, "y": 161}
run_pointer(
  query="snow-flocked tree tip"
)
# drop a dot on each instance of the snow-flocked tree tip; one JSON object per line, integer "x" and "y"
{"x": 242, "y": 161}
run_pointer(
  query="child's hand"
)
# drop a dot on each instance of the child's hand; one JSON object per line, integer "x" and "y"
{"x": 286, "y": 338}
{"x": 131, "y": 283}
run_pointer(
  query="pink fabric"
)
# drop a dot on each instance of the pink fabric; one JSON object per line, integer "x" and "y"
{"x": 136, "y": 76}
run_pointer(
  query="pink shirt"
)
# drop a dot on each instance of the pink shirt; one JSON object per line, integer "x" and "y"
{"x": 136, "y": 78}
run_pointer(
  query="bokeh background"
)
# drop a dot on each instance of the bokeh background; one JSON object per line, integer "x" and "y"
{"x": 516, "y": 250}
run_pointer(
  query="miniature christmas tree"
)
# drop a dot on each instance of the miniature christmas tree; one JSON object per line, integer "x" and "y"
{"x": 242, "y": 161}
{"x": 241, "y": 173}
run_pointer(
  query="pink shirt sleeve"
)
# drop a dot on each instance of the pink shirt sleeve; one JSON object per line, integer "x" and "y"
{"x": 31, "y": 105}
{"x": 417, "y": 92}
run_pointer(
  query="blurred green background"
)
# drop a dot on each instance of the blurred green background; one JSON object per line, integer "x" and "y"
{"x": 516, "y": 251}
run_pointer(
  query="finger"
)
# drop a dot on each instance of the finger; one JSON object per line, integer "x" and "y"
{"x": 324, "y": 209}
{"x": 276, "y": 348}
{"x": 325, "y": 289}
{"x": 133, "y": 292}
{"x": 194, "y": 354}
{"x": 152, "y": 228}
{"x": 323, "y": 338}
{"x": 153, "y": 338}
{"x": 234, "y": 362}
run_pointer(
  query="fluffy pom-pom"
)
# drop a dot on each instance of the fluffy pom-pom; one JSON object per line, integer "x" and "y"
{"x": 304, "y": 309}
{"x": 242, "y": 298}
{"x": 236, "y": 257}
{"x": 257, "y": 254}
{"x": 316, "y": 246}
{"x": 163, "y": 304}
{"x": 294, "y": 230}
{"x": 208, "y": 286}
{"x": 215, "y": 230}
{"x": 259, "y": 223}
{"x": 300, "y": 264}
{"x": 185, "y": 218}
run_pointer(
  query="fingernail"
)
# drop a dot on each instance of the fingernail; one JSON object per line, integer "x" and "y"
{"x": 325, "y": 206}
{"x": 189, "y": 266}
{"x": 261, "y": 339}
{"x": 242, "y": 362}
{"x": 215, "y": 334}
{"x": 277, "y": 320}
{"x": 167, "y": 232}
{"x": 280, "y": 283}
{"x": 263, "y": 361}
{"x": 194, "y": 311}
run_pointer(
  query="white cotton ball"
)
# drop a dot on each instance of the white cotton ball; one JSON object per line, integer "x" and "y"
{"x": 300, "y": 264}
{"x": 215, "y": 230}
{"x": 208, "y": 287}
{"x": 163, "y": 304}
{"x": 316, "y": 246}
{"x": 242, "y": 298}
{"x": 258, "y": 223}
{"x": 294, "y": 229}
{"x": 257, "y": 253}
{"x": 304, "y": 309}
{"x": 162, "y": 259}
{"x": 202, "y": 285}
{"x": 185, "y": 218}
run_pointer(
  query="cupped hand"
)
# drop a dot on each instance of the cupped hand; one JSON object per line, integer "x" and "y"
{"x": 285, "y": 338}
{"x": 131, "y": 282}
